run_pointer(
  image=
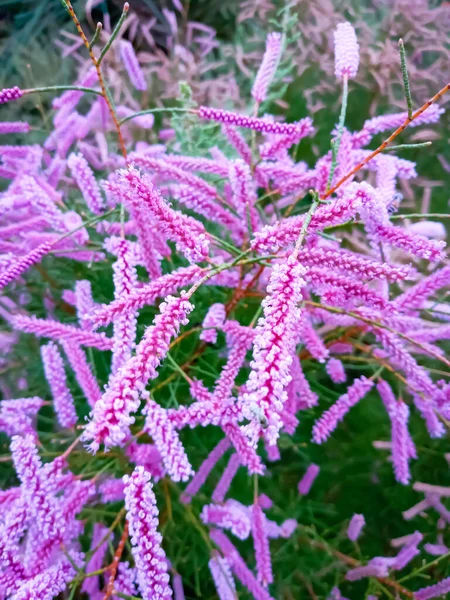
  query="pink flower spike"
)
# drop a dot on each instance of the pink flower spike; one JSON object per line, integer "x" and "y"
{"x": 132, "y": 66}
{"x": 166, "y": 439}
{"x": 238, "y": 566}
{"x": 355, "y": 526}
{"x": 82, "y": 371}
{"x": 261, "y": 544}
{"x": 59, "y": 331}
{"x": 308, "y": 479}
{"x": 214, "y": 320}
{"x": 330, "y": 418}
{"x": 336, "y": 371}
{"x": 205, "y": 469}
{"x": 149, "y": 557}
{"x": 14, "y": 127}
{"x": 56, "y": 378}
{"x": 84, "y": 178}
{"x": 433, "y": 591}
{"x": 272, "y": 353}
{"x": 232, "y": 515}
{"x": 8, "y": 94}
{"x": 223, "y": 579}
{"x": 188, "y": 233}
{"x": 255, "y": 123}
{"x": 24, "y": 263}
{"x": 268, "y": 67}
{"x": 346, "y": 51}
{"x": 398, "y": 413}
{"x": 148, "y": 294}
{"x": 225, "y": 481}
{"x": 412, "y": 243}
{"x": 111, "y": 416}
{"x": 125, "y": 281}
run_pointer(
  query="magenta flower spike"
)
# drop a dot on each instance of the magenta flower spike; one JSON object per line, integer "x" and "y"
{"x": 14, "y": 127}
{"x": 336, "y": 371}
{"x": 56, "y": 378}
{"x": 355, "y": 527}
{"x": 111, "y": 418}
{"x": 272, "y": 355}
{"x": 9, "y": 94}
{"x": 213, "y": 321}
{"x": 346, "y": 51}
{"x": 261, "y": 544}
{"x": 268, "y": 66}
{"x": 327, "y": 423}
{"x": 433, "y": 591}
{"x": 308, "y": 479}
{"x": 132, "y": 66}
{"x": 149, "y": 557}
{"x": 223, "y": 579}
{"x": 24, "y": 263}
{"x": 204, "y": 470}
{"x": 84, "y": 178}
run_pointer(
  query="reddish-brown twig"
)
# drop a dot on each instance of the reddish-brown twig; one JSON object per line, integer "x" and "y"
{"x": 104, "y": 94}
{"x": 115, "y": 563}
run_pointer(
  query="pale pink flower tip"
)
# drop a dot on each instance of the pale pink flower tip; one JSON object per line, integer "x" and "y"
{"x": 308, "y": 479}
{"x": 355, "y": 526}
{"x": 268, "y": 66}
{"x": 346, "y": 51}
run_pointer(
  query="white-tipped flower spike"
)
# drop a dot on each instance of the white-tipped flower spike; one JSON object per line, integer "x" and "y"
{"x": 346, "y": 51}
{"x": 268, "y": 67}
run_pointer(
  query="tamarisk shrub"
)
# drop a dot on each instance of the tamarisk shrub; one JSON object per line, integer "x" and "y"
{"x": 228, "y": 302}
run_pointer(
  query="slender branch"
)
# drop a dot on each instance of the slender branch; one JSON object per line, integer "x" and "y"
{"x": 96, "y": 63}
{"x": 62, "y": 88}
{"x": 115, "y": 563}
{"x": 407, "y": 146}
{"x": 161, "y": 109}
{"x": 337, "y": 142}
{"x": 306, "y": 222}
{"x": 405, "y": 76}
{"x": 117, "y": 28}
{"x": 392, "y": 137}
{"x": 95, "y": 36}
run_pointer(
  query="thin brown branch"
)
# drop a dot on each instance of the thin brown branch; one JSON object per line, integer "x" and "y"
{"x": 115, "y": 563}
{"x": 104, "y": 93}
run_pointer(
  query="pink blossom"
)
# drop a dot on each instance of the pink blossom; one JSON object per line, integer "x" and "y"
{"x": 308, "y": 479}
{"x": 188, "y": 233}
{"x": 60, "y": 331}
{"x": 132, "y": 66}
{"x": 214, "y": 320}
{"x": 238, "y": 566}
{"x": 82, "y": 371}
{"x": 415, "y": 296}
{"x": 272, "y": 354}
{"x": 310, "y": 338}
{"x": 225, "y": 481}
{"x": 24, "y": 263}
{"x": 223, "y": 580}
{"x": 149, "y": 557}
{"x": 410, "y": 242}
{"x": 336, "y": 371}
{"x": 299, "y": 391}
{"x": 255, "y": 123}
{"x": 433, "y": 591}
{"x": 239, "y": 143}
{"x": 85, "y": 180}
{"x": 147, "y": 456}
{"x": 14, "y": 127}
{"x": 204, "y": 470}
{"x": 346, "y": 51}
{"x": 230, "y": 515}
{"x": 328, "y": 421}
{"x": 355, "y": 526}
{"x": 111, "y": 416}
{"x": 56, "y": 378}
{"x": 261, "y": 544}
{"x": 165, "y": 438}
{"x": 8, "y": 94}
{"x": 268, "y": 66}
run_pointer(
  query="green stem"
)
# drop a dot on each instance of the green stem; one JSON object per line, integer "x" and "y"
{"x": 306, "y": 222}
{"x": 335, "y": 146}
{"x": 156, "y": 110}
{"x": 117, "y": 28}
{"x": 95, "y": 36}
{"x": 62, "y": 88}
{"x": 407, "y": 146}
{"x": 405, "y": 76}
